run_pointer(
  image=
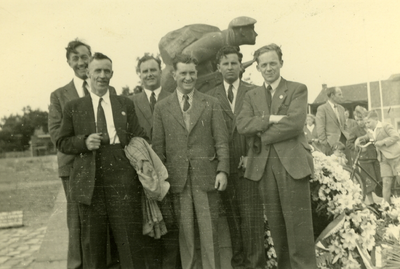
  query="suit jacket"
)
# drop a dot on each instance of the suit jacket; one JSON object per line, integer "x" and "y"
{"x": 78, "y": 123}
{"x": 58, "y": 99}
{"x": 143, "y": 110}
{"x": 287, "y": 137}
{"x": 204, "y": 147}
{"x": 237, "y": 142}
{"x": 328, "y": 128}
{"x": 391, "y": 139}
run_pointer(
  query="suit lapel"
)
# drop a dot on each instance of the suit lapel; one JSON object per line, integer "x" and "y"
{"x": 260, "y": 101}
{"x": 175, "y": 109}
{"x": 144, "y": 106}
{"x": 198, "y": 106}
{"x": 279, "y": 96}
{"x": 87, "y": 105}
{"x": 70, "y": 92}
{"x": 221, "y": 95}
{"x": 332, "y": 113}
{"x": 120, "y": 118}
{"x": 239, "y": 98}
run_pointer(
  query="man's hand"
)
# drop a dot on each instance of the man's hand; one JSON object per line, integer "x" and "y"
{"x": 275, "y": 118}
{"x": 93, "y": 141}
{"x": 221, "y": 181}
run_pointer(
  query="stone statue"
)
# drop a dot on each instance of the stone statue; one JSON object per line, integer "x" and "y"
{"x": 203, "y": 42}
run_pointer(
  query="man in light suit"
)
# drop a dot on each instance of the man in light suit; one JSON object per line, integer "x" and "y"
{"x": 190, "y": 137}
{"x": 331, "y": 122}
{"x": 241, "y": 197}
{"x": 149, "y": 70}
{"x": 95, "y": 130}
{"x": 272, "y": 118}
{"x": 78, "y": 54}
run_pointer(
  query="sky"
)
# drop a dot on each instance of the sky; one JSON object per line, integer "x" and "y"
{"x": 332, "y": 42}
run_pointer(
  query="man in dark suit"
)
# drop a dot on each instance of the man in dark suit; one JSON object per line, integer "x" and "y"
{"x": 95, "y": 130}
{"x": 272, "y": 118}
{"x": 149, "y": 70}
{"x": 331, "y": 121}
{"x": 78, "y": 54}
{"x": 190, "y": 137}
{"x": 241, "y": 197}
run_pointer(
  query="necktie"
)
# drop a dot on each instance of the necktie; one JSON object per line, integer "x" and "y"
{"x": 230, "y": 93}
{"x": 102, "y": 124}
{"x": 84, "y": 85}
{"x": 152, "y": 101}
{"x": 186, "y": 104}
{"x": 269, "y": 96}
{"x": 337, "y": 114}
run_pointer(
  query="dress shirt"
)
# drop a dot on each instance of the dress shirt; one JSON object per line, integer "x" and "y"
{"x": 182, "y": 101}
{"x": 310, "y": 128}
{"x": 78, "y": 83}
{"x": 106, "y": 104}
{"x": 334, "y": 107}
{"x": 149, "y": 92}
{"x": 234, "y": 90}
{"x": 274, "y": 85}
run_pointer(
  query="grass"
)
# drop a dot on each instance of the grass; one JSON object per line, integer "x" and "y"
{"x": 29, "y": 184}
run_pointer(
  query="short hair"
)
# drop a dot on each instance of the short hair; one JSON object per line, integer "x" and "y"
{"x": 312, "y": 117}
{"x": 99, "y": 56}
{"x": 360, "y": 112}
{"x": 184, "y": 58}
{"x": 270, "y": 47}
{"x": 331, "y": 91}
{"x": 339, "y": 145}
{"x": 372, "y": 115}
{"x": 229, "y": 50}
{"x": 72, "y": 45}
{"x": 146, "y": 58}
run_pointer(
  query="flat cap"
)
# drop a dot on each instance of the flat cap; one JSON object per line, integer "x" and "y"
{"x": 241, "y": 21}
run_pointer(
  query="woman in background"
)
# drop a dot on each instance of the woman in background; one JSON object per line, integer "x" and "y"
{"x": 310, "y": 131}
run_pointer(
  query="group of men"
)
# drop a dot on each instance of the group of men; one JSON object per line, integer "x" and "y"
{"x": 239, "y": 143}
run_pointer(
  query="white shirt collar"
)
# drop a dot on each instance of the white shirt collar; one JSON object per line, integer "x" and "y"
{"x": 234, "y": 84}
{"x": 332, "y": 104}
{"x": 96, "y": 98}
{"x": 149, "y": 92}
{"x": 78, "y": 83}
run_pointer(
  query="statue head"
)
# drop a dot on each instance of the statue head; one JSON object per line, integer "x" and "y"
{"x": 243, "y": 29}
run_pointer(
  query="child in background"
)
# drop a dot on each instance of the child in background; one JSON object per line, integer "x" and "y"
{"x": 338, "y": 153}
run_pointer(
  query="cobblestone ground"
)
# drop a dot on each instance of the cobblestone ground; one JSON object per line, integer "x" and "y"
{"x": 18, "y": 246}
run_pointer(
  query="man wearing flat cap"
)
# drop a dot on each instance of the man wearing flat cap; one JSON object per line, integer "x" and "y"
{"x": 202, "y": 42}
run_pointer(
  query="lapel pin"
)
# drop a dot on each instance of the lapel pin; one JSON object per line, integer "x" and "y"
{"x": 123, "y": 113}
{"x": 280, "y": 96}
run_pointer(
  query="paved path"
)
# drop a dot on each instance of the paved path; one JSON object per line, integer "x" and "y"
{"x": 18, "y": 246}
{"x": 46, "y": 247}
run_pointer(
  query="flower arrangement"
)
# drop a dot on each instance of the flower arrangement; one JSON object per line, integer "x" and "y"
{"x": 334, "y": 196}
{"x": 388, "y": 232}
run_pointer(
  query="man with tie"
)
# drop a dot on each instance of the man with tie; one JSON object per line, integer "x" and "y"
{"x": 279, "y": 159}
{"x": 95, "y": 130}
{"x": 78, "y": 55}
{"x": 331, "y": 121}
{"x": 191, "y": 138}
{"x": 149, "y": 70}
{"x": 241, "y": 197}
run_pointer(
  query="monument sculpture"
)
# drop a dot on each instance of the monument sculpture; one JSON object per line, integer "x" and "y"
{"x": 203, "y": 41}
